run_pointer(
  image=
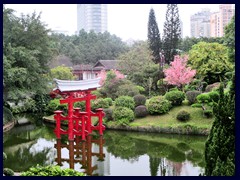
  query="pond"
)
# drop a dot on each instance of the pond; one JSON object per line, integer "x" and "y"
{"x": 116, "y": 153}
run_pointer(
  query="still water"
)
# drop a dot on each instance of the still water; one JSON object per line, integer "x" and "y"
{"x": 116, "y": 153}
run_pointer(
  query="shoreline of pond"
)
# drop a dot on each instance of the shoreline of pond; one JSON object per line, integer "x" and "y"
{"x": 184, "y": 130}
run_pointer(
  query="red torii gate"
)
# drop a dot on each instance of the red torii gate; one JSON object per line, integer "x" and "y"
{"x": 79, "y": 123}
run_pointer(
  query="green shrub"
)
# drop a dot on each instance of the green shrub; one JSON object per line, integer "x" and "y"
{"x": 55, "y": 105}
{"x": 175, "y": 97}
{"x": 97, "y": 93}
{"x": 140, "y": 89}
{"x": 197, "y": 105}
{"x": 125, "y": 101}
{"x": 183, "y": 115}
{"x": 99, "y": 103}
{"x": 81, "y": 104}
{"x": 173, "y": 89}
{"x": 203, "y": 98}
{"x": 109, "y": 100}
{"x": 51, "y": 171}
{"x": 214, "y": 96}
{"x": 191, "y": 96}
{"x": 158, "y": 105}
{"x": 108, "y": 114}
{"x": 127, "y": 90}
{"x": 140, "y": 111}
{"x": 208, "y": 113}
{"x": 139, "y": 100}
{"x": 8, "y": 172}
{"x": 123, "y": 115}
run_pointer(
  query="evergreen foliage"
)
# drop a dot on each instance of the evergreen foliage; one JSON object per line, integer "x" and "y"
{"x": 229, "y": 39}
{"x": 89, "y": 47}
{"x": 220, "y": 145}
{"x": 27, "y": 51}
{"x": 171, "y": 32}
{"x": 154, "y": 40}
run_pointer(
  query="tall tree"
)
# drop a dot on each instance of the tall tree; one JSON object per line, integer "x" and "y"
{"x": 229, "y": 39}
{"x": 220, "y": 145}
{"x": 26, "y": 53}
{"x": 171, "y": 32}
{"x": 88, "y": 48}
{"x": 154, "y": 40}
{"x": 211, "y": 61}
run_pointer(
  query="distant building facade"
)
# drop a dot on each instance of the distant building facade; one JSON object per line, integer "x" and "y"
{"x": 84, "y": 72}
{"x": 200, "y": 24}
{"x": 92, "y": 17}
{"x": 219, "y": 20}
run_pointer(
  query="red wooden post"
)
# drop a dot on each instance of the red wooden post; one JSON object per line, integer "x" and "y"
{"x": 77, "y": 114}
{"x": 70, "y": 117}
{"x": 84, "y": 118}
{"x": 57, "y": 117}
{"x": 100, "y": 123}
{"x": 88, "y": 110}
{"x": 59, "y": 154}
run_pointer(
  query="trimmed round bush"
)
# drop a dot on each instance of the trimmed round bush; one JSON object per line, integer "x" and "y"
{"x": 141, "y": 111}
{"x": 214, "y": 96}
{"x": 140, "y": 89}
{"x": 8, "y": 172}
{"x": 175, "y": 97}
{"x": 158, "y": 105}
{"x": 191, "y": 96}
{"x": 139, "y": 100}
{"x": 108, "y": 114}
{"x": 125, "y": 101}
{"x": 109, "y": 100}
{"x": 123, "y": 115}
{"x": 183, "y": 115}
{"x": 100, "y": 103}
{"x": 203, "y": 98}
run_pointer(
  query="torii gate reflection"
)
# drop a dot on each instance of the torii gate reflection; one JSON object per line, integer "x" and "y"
{"x": 81, "y": 152}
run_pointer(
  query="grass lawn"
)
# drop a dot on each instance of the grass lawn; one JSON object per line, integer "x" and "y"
{"x": 169, "y": 119}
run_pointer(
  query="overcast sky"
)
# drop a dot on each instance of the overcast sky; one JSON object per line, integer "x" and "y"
{"x": 127, "y": 21}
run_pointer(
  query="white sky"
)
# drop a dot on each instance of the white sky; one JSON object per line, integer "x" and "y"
{"x": 127, "y": 21}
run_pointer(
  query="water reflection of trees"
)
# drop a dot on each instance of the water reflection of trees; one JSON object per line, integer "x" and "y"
{"x": 20, "y": 145}
{"x": 167, "y": 154}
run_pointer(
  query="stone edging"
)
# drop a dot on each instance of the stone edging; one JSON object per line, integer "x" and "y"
{"x": 168, "y": 130}
{"x": 8, "y": 126}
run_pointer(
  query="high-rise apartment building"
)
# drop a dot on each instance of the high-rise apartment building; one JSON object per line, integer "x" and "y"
{"x": 220, "y": 19}
{"x": 200, "y": 24}
{"x": 92, "y": 17}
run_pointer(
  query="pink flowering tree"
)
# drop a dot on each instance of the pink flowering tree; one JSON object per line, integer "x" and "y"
{"x": 103, "y": 75}
{"x": 178, "y": 73}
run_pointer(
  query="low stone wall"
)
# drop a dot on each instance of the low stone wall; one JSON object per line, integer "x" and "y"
{"x": 188, "y": 129}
